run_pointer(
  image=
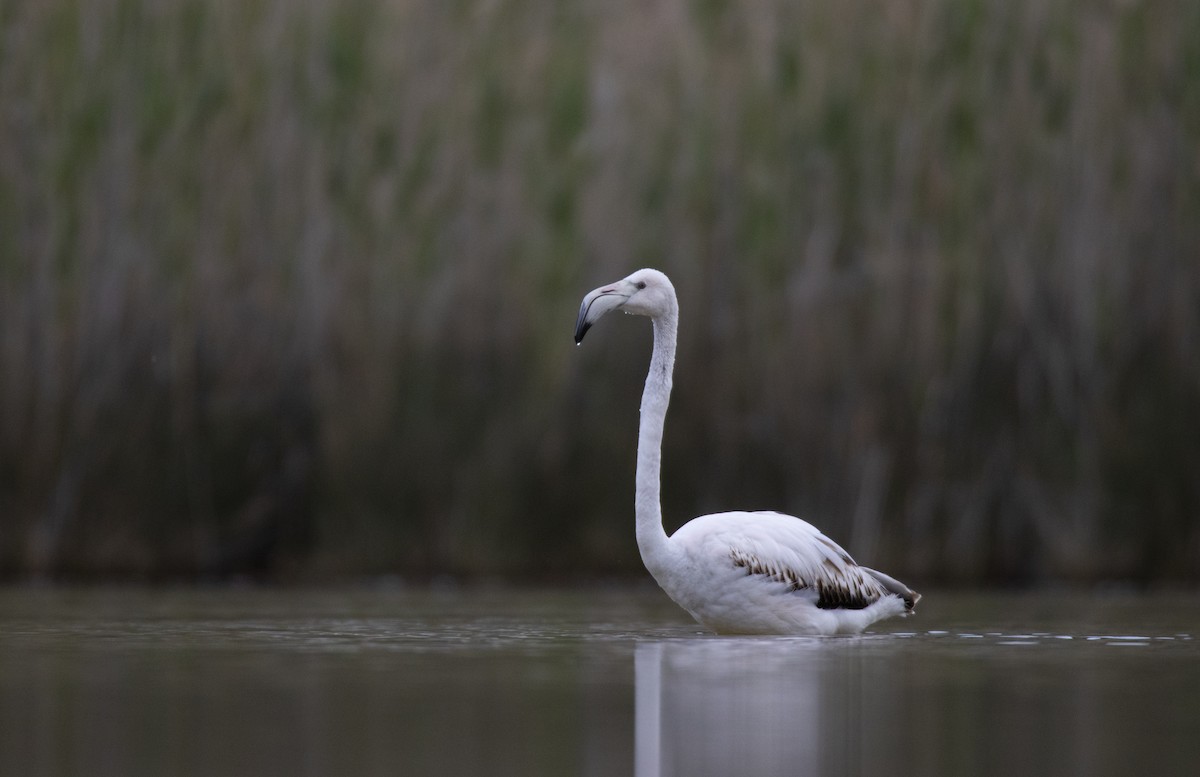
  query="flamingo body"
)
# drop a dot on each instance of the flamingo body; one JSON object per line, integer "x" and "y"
{"x": 770, "y": 573}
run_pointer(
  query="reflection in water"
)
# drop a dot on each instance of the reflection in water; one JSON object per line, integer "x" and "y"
{"x": 727, "y": 707}
{"x": 931, "y": 703}
{"x": 584, "y": 683}
{"x": 755, "y": 706}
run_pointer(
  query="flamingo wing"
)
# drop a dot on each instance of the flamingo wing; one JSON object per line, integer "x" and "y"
{"x": 788, "y": 550}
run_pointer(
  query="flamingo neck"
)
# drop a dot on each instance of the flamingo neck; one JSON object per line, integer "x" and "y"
{"x": 651, "y": 538}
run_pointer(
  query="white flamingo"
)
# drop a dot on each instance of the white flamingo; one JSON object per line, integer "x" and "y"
{"x": 736, "y": 572}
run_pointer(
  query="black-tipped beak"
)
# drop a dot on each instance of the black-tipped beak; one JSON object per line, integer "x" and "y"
{"x": 594, "y": 306}
{"x": 582, "y": 324}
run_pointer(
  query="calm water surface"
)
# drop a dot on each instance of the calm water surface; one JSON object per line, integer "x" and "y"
{"x": 609, "y": 682}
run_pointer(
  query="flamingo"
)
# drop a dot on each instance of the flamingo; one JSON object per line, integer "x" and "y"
{"x": 739, "y": 572}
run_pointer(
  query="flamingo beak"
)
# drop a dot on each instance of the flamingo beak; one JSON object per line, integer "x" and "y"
{"x": 598, "y": 302}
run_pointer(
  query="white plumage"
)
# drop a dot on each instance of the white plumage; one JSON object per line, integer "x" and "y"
{"x": 736, "y": 572}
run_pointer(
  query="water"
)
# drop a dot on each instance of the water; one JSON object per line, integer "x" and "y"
{"x": 611, "y": 682}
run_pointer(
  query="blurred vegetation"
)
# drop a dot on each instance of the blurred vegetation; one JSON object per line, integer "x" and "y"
{"x": 287, "y": 288}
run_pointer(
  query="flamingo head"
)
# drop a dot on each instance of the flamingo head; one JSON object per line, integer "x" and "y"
{"x": 644, "y": 293}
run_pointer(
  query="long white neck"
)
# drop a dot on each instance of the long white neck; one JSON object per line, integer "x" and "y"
{"x": 651, "y": 538}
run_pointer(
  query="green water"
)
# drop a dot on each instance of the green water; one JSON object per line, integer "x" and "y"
{"x": 295, "y": 682}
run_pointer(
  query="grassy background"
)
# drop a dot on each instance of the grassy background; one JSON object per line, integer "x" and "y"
{"x": 287, "y": 288}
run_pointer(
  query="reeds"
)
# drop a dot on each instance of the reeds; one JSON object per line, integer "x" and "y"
{"x": 288, "y": 288}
